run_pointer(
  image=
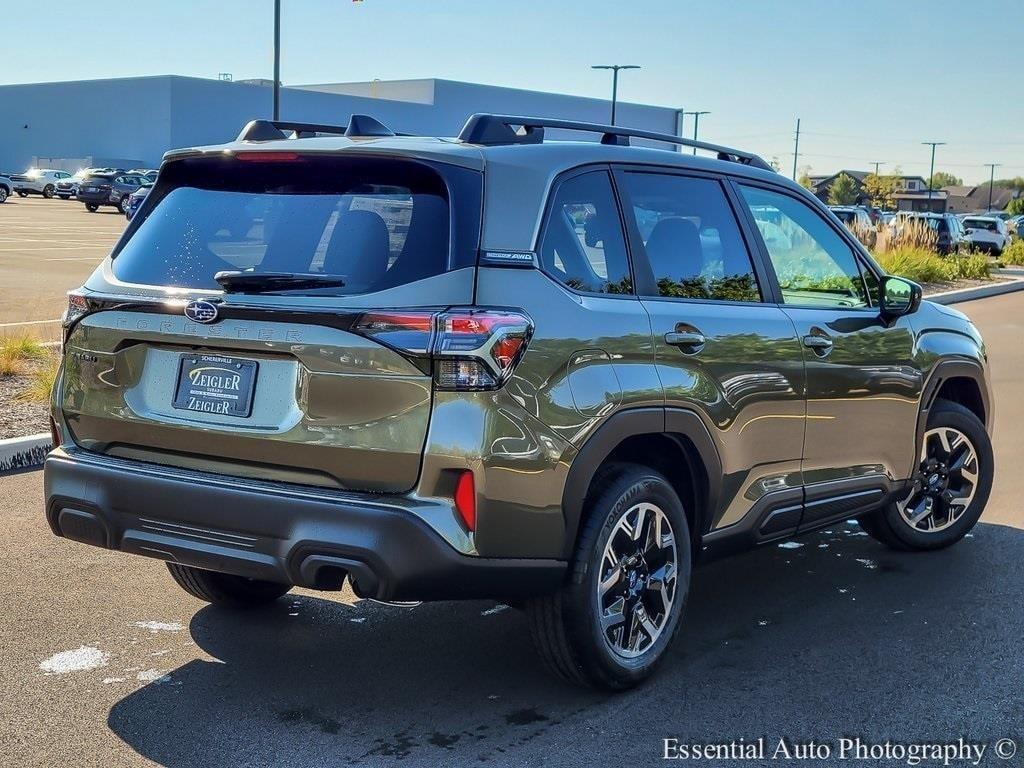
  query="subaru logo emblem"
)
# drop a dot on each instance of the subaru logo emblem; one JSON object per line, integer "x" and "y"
{"x": 201, "y": 311}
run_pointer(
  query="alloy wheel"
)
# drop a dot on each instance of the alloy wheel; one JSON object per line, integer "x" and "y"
{"x": 636, "y": 585}
{"x": 945, "y": 483}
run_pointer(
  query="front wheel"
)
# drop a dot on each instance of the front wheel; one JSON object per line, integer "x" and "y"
{"x": 22, "y": 193}
{"x": 949, "y": 490}
{"x": 3, "y": 194}
{"x": 225, "y": 589}
{"x": 123, "y": 205}
{"x": 611, "y": 623}
{"x": 91, "y": 207}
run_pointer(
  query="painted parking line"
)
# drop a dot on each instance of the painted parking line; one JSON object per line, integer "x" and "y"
{"x": 27, "y": 322}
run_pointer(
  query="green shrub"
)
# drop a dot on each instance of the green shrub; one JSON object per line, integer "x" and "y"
{"x": 925, "y": 266}
{"x": 1013, "y": 253}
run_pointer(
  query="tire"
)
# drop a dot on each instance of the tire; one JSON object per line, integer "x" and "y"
{"x": 64, "y": 197}
{"x": 91, "y": 207}
{"x": 942, "y": 524}
{"x": 22, "y": 193}
{"x": 48, "y": 191}
{"x": 3, "y": 194}
{"x": 224, "y": 589}
{"x": 122, "y": 205}
{"x": 566, "y": 626}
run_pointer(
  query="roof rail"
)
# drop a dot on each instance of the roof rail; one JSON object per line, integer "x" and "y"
{"x": 276, "y": 130}
{"x": 496, "y": 130}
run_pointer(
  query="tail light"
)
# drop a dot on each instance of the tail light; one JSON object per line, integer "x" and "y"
{"x": 54, "y": 433}
{"x": 471, "y": 349}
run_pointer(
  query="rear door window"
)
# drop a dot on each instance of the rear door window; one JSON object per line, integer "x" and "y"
{"x": 583, "y": 245}
{"x": 691, "y": 238}
{"x": 374, "y": 223}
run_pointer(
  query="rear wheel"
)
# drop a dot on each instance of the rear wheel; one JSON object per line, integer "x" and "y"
{"x": 949, "y": 489}
{"x": 610, "y": 625}
{"x": 123, "y": 205}
{"x": 22, "y": 193}
{"x": 225, "y": 589}
{"x": 48, "y": 191}
{"x": 91, "y": 207}
{"x": 3, "y": 194}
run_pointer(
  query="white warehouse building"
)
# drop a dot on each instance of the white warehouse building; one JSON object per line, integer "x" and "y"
{"x": 133, "y": 121}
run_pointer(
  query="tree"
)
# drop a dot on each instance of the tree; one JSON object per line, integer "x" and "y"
{"x": 805, "y": 180}
{"x": 880, "y": 190}
{"x": 942, "y": 179}
{"x": 842, "y": 191}
{"x": 1017, "y": 182}
{"x": 1016, "y": 207}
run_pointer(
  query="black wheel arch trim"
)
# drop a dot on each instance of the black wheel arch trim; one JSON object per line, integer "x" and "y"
{"x": 632, "y": 423}
{"x": 942, "y": 372}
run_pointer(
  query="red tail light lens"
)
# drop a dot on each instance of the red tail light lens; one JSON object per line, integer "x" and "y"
{"x": 472, "y": 349}
{"x": 54, "y": 433}
{"x": 267, "y": 157}
{"x": 465, "y": 499}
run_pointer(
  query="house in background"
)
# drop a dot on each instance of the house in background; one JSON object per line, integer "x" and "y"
{"x": 975, "y": 199}
{"x": 908, "y": 188}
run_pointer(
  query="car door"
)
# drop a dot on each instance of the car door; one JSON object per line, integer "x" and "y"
{"x": 863, "y": 382}
{"x": 722, "y": 350}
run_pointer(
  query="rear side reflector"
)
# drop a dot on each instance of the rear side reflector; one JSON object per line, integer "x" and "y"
{"x": 465, "y": 499}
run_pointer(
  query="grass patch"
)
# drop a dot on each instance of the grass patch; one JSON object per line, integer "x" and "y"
{"x": 924, "y": 266}
{"x": 22, "y": 348}
{"x": 41, "y": 382}
{"x": 10, "y": 365}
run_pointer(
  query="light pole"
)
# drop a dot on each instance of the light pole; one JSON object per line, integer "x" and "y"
{"x": 877, "y": 163}
{"x": 991, "y": 181}
{"x": 615, "y": 80}
{"x": 277, "y": 59}
{"x": 931, "y": 173}
{"x": 696, "y": 122}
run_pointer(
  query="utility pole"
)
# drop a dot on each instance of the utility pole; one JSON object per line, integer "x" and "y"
{"x": 696, "y": 122}
{"x": 877, "y": 163}
{"x": 615, "y": 80}
{"x": 796, "y": 147}
{"x": 991, "y": 181}
{"x": 933, "y": 145}
{"x": 277, "y": 59}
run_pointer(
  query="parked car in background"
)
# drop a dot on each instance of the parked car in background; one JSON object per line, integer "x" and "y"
{"x": 39, "y": 181}
{"x": 68, "y": 188}
{"x": 149, "y": 173}
{"x": 853, "y": 216}
{"x": 109, "y": 188}
{"x": 6, "y": 188}
{"x": 986, "y": 233}
{"x": 135, "y": 199}
{"x": 946, "y": 226}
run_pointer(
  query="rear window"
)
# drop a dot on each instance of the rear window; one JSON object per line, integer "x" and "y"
{"x": 986, "y": 224}
{"x": 375, "y": 223}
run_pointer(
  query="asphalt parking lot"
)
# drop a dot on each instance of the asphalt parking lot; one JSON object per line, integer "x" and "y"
{"x": 103, "y": 661}
{"x": 47, "y": 248}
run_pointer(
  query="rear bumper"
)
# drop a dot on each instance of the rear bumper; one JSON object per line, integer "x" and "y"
{"x": 94, "y": 198}
{"x": 282, "y": 533}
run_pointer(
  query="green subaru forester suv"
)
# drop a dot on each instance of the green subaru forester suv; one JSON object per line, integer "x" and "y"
{"x": 555, "y": 373}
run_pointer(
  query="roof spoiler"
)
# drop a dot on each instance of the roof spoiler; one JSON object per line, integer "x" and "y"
{"x": 497, "y": 130}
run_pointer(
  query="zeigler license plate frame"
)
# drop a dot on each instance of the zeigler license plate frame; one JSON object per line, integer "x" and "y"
{"x": 223, "y": 386}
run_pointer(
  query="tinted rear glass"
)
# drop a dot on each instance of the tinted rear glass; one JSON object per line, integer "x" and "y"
{"x": 375, "y": 223}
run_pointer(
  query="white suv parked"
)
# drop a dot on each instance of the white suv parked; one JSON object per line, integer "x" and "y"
{"x": 41, "y": 181}
{"x": 986, "y": 233}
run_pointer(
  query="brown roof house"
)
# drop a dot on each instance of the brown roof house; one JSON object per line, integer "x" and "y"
{"x": 975, "y": 199}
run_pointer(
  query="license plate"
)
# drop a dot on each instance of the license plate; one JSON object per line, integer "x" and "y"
{"x": 90, "y": 189}
{"x": 214, "y": 384}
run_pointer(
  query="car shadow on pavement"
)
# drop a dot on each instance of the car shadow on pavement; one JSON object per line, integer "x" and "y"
{"x": 833, "y": 636}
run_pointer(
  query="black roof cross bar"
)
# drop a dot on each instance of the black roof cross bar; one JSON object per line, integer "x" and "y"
{"x": 276, "y": 130}
{"x": 497, "y": 130}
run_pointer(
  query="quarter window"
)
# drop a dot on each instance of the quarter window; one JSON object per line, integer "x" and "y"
{"x": 814, "y": 265}
{"x": 691, "y": 238}
{"x": 583, "y": 245}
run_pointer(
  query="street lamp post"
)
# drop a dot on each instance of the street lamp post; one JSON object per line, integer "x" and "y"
{"x": 696, "y": 122}
{"x": 931, "y": 173}
{"x": 991, "y": 181}
{"x": 615, "y": 80}
{"x": 277, "y": 59}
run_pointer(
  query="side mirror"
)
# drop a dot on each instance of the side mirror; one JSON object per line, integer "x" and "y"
{"x": 899, "y": 297}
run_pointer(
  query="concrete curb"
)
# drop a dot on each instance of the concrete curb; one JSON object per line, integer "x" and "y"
{"x": 978, "y": 292}
{"x": 24, "y": 452}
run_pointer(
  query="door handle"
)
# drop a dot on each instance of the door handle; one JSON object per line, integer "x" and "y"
{"x": 821, "y": 345}
{"x": 686, "y": 341}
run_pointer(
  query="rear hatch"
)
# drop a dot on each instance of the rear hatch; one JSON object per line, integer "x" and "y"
{"x": 96, "y": 183}
{"x": 309, "y": 361}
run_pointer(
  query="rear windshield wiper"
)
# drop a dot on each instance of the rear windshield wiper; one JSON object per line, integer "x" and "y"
{"x": 237, "y": 281}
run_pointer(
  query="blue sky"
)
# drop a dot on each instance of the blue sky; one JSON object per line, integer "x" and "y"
{"x": 870, "y": 79}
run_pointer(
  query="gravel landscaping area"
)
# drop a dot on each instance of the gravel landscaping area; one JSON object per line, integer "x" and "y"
{"x": 19, "y": 418}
